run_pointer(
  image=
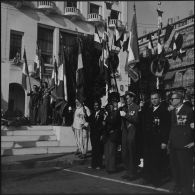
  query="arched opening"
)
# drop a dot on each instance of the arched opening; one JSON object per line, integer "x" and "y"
{"x": 16, "y": 101}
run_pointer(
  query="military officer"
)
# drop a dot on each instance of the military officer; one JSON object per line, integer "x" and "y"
{"x": 129, "y": 114}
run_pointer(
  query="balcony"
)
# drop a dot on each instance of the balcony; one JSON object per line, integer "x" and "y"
{"x": 46, "y": 5}
{"x": 96, "y": 18}
{"x": 71, "y": 11}
{"x": 115, "y": 22}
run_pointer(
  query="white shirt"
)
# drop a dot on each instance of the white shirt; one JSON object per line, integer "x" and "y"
{"x": 178, "y": 108}
{"x": 79, "y": 117}
{"x": 155, "y": 107}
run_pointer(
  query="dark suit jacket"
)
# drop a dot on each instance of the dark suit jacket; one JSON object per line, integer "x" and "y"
{"x": 96, "y": 123}
{"x": 181, "y": 134}
{"x": 113, "y": 126}
{"x": 157, "y": 124}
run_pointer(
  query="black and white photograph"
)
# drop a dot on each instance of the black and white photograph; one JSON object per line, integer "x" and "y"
{"x": 97, "y": 97}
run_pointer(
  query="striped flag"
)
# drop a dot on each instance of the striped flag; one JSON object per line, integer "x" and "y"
{"x": 25, "y": 72}
{"x": 133, "y": 48}
{"x": 54, "y": 77}
{"x": 62, "y": 80}
{"x": 80, "y": 76}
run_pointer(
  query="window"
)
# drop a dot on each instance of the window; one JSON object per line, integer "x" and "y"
{"x": 93, "y": 9}
{"x": 71, "y": 4}
{"x": 15, "y": 44}
{"x": 114, "y": 14}
{"x": 45, "y": 42}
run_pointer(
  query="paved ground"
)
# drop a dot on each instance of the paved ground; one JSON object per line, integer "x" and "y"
{"x": 66, "y": 174}
{"x": 78, "y": 179}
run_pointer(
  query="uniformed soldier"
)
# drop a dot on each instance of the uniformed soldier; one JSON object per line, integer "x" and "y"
{"x": 129, "y": 114}
{"x": 181, "y": 144}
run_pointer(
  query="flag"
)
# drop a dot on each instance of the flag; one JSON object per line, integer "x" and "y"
{"x": 97, "y": 38}
{"x": 176, "y": 46}
{"x": 37, "y": 62}
{"x": 133, "y": 48}
{"x": 54, "y": 77}
{"x": 118, "y": 37}
{"x": 62, "y": 81}
{"x": 125, "y": 42}
{"x": 168, "y": 32}
{"x": 150, "y": 45}
{"x": 25, "y": 72}
{"x": 159, "y": 45}
{"x": 80, "y": 76}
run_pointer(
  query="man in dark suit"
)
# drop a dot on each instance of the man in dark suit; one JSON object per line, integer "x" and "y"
{"x": 96, "y": 126}
{"x": 181, "y": 145}
{"x": 129, "y": 114}
{"x": 156, "y": 133}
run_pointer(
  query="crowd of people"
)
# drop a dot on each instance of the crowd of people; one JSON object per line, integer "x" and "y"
{"x": 159, "y": 132}
{"x": 45, "y": 107}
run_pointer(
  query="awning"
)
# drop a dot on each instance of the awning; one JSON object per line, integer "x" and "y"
{"x": 169, "y": 75}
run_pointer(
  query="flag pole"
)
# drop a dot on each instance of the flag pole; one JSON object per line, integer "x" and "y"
{"x": 28, "y": 71}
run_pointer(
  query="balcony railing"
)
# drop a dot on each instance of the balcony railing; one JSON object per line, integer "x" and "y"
{"x": 71, "y": 11}
{"x": 115, "y": 22}
{"x": 94, "y": 17}
{"x": 46, "y": 5}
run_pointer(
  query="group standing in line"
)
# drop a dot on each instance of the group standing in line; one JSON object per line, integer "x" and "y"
{"x": 166, "y": 138}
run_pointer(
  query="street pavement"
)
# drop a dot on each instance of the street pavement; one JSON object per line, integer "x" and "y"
{"x": 72, "y": 178}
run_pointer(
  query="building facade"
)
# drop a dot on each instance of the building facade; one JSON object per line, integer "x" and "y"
{"x": 26, "y": 23}
{"x": 180, "y": 72}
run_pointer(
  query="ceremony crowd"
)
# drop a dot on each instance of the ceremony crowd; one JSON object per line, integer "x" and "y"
{"x": 155, "y": 138}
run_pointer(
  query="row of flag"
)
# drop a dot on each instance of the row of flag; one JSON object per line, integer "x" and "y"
{"x": 59, "y": 77}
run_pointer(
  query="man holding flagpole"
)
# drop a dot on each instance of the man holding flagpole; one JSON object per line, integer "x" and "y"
{"x": 82, "y": 112}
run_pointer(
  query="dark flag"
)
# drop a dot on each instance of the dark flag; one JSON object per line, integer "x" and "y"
{"x": 97, "y": 38}
{"x": 25, "y": 72}
{"x": 150, "y": 45}
{"x": 176, "y": 46}
{"x": 125, "y": 42}
{"x": 168, "y": 32}
{"x": 80, "y": 76}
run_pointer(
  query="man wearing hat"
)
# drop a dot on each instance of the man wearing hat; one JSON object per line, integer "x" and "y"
{"x": 129, "y": 114}
{"x": 181, "y": 144}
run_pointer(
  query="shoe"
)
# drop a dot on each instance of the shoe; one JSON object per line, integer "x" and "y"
{"x": 97, "y": 168}
{"x": 89, "y": 167}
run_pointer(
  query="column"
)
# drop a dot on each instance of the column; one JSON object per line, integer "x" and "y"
{"x": 56, "y": 43}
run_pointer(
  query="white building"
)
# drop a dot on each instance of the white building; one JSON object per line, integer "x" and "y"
{"x": 24, "y": 23}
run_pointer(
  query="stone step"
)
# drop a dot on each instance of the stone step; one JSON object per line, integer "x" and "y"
{"x": 35, "y": 127}
{"x": 28, "y": 138}
{"x": 37, "y": 150}
{"x": 27, "y": 132}
{"x": 28, "y": 144}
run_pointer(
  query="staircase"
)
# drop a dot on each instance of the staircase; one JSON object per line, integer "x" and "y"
{"x": 31, "y": 140}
